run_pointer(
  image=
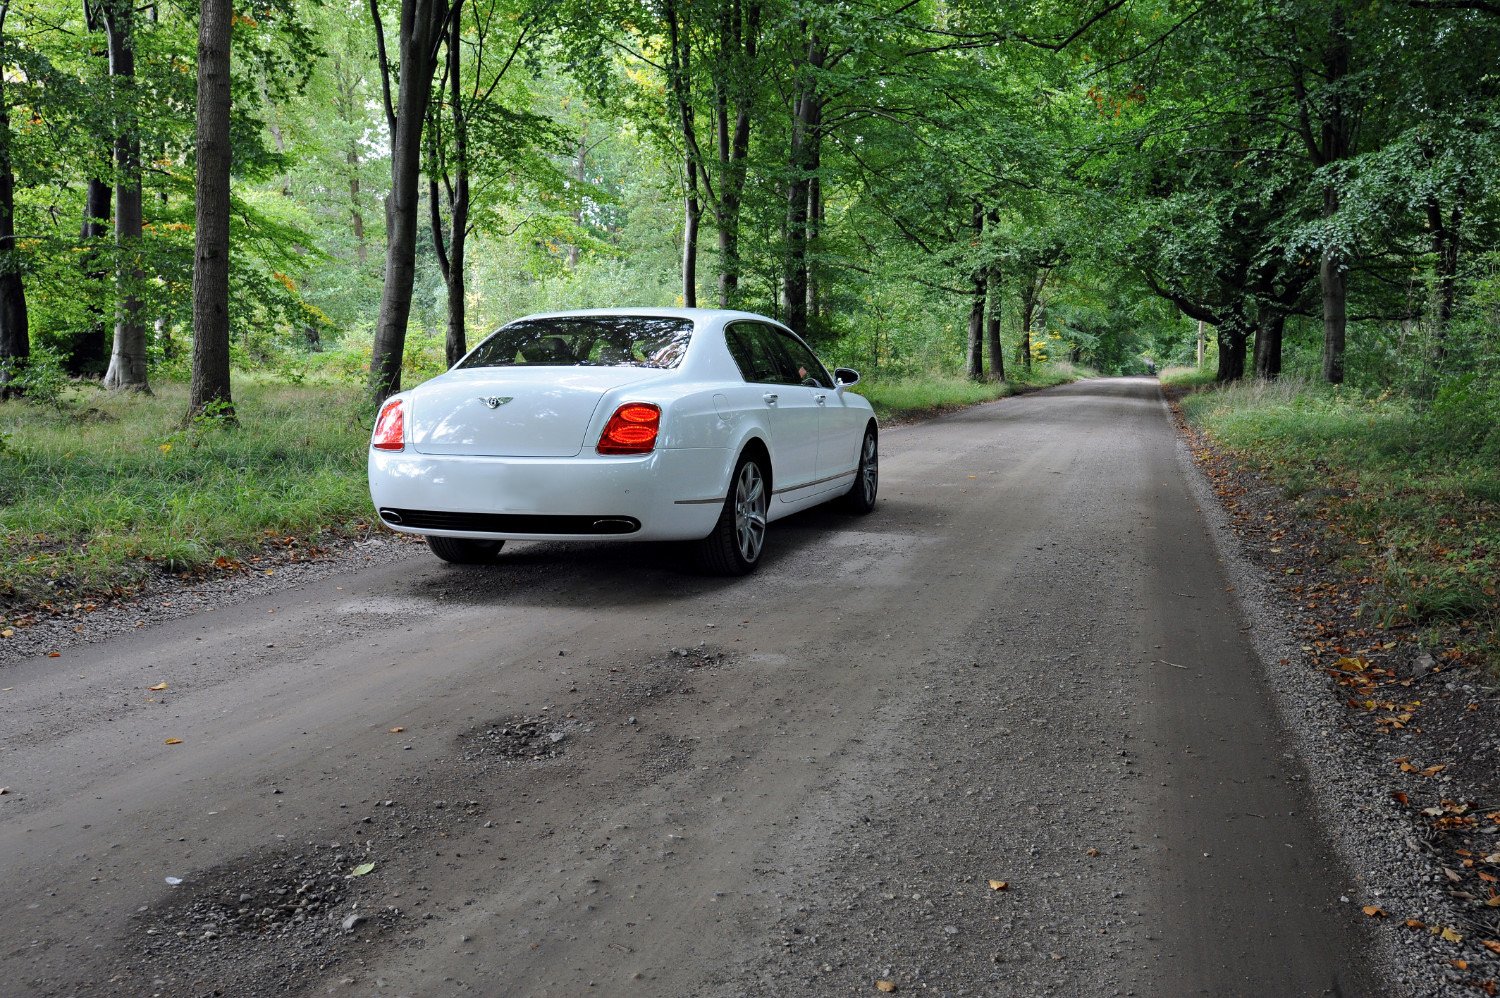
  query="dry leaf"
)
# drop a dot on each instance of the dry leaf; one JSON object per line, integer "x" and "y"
{"x": 361, "y": 869}
{"x": 1434, "y": 770}
{"x": 1452, "y": 935}
{"x": 158, "y": 687}
{"x": 1400, "y": 796}
{"x": 1375, "y": 911}
{"x": 1453, "y": 875}
{"x": 999, "y": 885}
{"x": 886, "y": 986}
{"x": 54, "y": 654}
{"x": 1091, "y": 851}
{"x": 1488, "y": 878}
{"x": 9, "y": 632}
{"x": 173, "y": 741}
{"x": 1460, "y": 964}
{"x": 397, "y": 730}
{"x": 1490, "y": 944}
{"x": 1415, "y": 923}
{"x": 1493, "y": 902}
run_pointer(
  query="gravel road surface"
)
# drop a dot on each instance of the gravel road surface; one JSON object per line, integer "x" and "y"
{"x": 1006, "y": 736}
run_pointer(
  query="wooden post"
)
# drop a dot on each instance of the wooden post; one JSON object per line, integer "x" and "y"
{"x": 1201, "y": 343}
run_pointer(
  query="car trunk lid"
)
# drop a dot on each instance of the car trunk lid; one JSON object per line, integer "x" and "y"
{"x": 513, "y": 412}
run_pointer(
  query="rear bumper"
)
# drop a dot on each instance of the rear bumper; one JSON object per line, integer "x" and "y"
{"x": 665, "y": 495}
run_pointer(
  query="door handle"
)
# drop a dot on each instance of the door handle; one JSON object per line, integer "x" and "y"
{"x": 771, "y": 398}
{"x": 821, "y": 399}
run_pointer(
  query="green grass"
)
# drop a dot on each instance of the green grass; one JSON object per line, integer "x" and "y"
{"x": 106, "y": 488}
{"x": 911, "y": 398}
{"x": 1188, "y": 377}
{"x": 1424, "y": 517}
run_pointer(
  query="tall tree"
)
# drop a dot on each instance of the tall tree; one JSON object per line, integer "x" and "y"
{"x": 210, "y": 389}
{"x": 127, "y": 362}
{"x": 15, "y": 334}
{"x": 421, "y": 34}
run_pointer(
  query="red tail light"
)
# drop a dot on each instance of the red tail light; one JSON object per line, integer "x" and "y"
{"x": 631, "y": 430}
{"x": 390, "y": 427}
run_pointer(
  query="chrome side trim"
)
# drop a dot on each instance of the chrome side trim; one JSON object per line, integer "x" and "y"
{"x": 820, "y": 481}
{"x": 698, "y": 502}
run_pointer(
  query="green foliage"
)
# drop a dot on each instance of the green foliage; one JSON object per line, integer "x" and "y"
{"x": 1412, "y": 491}
{"x": 94, "y": 500}
{"x": 39, "y": 379}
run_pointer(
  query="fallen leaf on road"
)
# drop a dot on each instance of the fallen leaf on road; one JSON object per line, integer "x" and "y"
{"x": 1091, "y": 851}
{"x": 1452, "y": 935}
{"x": 173, "y": 741}
{"x": 1375, "y": 911}
{"x": 1415, "y": 923}
{"x": 361, "y": 869}
{"x": 54, "y": 654}
{"x": 886, "y": 986}
{"x": 397, "y": 730}
{"x": 9, "y": 632}
{"x": 1400, "y": 796}
{"x": 1490, "y": 944}
{"x": 1434, "y": 770}
{"x": 999, "y": 885}
{"x": 1493, "y": 857}
{"x": 1460, "y": 964}
{"x": 1493, "y": 902}
{"x": 158, "y": 686}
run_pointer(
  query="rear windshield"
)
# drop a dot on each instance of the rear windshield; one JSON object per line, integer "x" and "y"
{"x": 586, "y": 341}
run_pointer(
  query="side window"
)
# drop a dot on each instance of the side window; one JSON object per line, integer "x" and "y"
{"x": 808, "y": 369}
{"x": 755, "y": 351}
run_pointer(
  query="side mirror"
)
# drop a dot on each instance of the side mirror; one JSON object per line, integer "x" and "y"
{"x": 845, "y": 377}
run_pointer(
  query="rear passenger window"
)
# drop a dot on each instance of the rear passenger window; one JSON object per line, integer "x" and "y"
{"x": 756, "y": 352}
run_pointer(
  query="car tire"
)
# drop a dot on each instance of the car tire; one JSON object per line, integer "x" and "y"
{"x": 464, "y": 550}
{"x": 739, "y": 536}
{"x": 860, "y": 499}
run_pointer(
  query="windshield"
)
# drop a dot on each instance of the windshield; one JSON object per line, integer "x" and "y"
{"x": 586, "y": 340}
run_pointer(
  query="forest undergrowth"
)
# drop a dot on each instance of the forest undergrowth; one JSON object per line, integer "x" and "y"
{"x": 1409, "y": 492}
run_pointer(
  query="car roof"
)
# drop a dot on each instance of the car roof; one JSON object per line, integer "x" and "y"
{"x": 697, "y": 315}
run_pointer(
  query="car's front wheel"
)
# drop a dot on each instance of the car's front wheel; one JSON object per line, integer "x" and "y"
{"x": 464, "y": 550}
{"x": 739, "y": 537}
{"x": 860, "y": 498}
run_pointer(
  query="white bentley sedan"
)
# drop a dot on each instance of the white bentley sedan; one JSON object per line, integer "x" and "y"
{"x": 624, "y": 424}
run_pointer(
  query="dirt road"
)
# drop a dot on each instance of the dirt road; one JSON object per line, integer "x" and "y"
{"x": 584, "y": 771}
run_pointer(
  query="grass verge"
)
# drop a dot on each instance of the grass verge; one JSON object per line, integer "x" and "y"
{"x": 1411, "y": 494}
{"x": 902, "y": 399}
{"x": 102, "y": 489}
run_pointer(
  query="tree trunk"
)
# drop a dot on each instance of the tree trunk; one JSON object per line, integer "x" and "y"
{"x": 210, "y": 390}
{"x": 994, "y": 291}
{"x": 1268, "y": 331}
{"x": 975, "y": 352}
{"x": 814, "y": 230}
{"x": 356, "y": 213}
{"x": 739, "y": 34}
{"x": 90, "y": 353}
{"x": 679, "y": 70}
{"x": 456, "y": 344}
{"x": 1202, "y": 344}
{"x": 580, "y": 174}
{"x": 15, "y": 333}
{"x": 1337, "y": 136}
{"x": 1445, "y": 236}
{"x": 1028, "y": 312}
{"x": 807, "y": 114}
{"x": 1233, "y": 334}
{"x": 127, "y": 362}
{"x": 420, "y": 23}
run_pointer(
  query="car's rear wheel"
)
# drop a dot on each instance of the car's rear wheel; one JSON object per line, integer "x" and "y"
{"x": 464, "y": 550}
{"x": 739, "y": 537}
{"x": 860, "y": 498}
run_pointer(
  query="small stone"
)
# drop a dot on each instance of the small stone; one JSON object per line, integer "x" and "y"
{"x": 350, "y": 921}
